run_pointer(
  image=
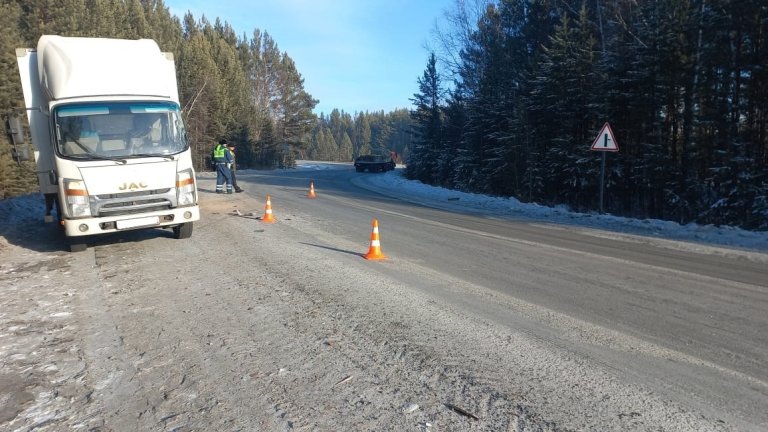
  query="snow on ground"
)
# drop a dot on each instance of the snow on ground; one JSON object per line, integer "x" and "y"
{"x": 394, "y": 184}
{"x": 31, "y": 207}
{"x": 26, "y": 208}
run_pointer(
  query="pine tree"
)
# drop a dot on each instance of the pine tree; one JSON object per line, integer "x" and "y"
{"x": 345, "y": 148}
{"x": 295, "y": 115}
{"x": 449, "y": 171}
{"x": 164, "y": 28}
{"x": 565, "y": 117}
{"x": 108, "y": 18}
{"x": 198, "y": 88}
{"x": 137, "y": 25}
{"x": 381, "y": 132}
{"x": 428, "y": 123}
{"x": 362, "y": 135}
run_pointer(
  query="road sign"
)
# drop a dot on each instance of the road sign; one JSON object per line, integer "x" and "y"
{"x": 605, "y": 140}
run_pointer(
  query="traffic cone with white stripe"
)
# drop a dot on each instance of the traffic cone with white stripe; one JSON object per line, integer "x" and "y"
{"x": 311, "y": 193}
{"x": 374, "y": 252}
{"x": 268, "y": 217}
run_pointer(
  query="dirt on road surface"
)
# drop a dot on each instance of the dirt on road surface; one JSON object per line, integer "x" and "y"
{"x": 277, "y": 327}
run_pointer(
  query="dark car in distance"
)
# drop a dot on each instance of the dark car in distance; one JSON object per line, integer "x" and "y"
{"x": 374, "y": 163}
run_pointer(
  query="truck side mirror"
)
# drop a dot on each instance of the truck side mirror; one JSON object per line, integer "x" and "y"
{"x": 15, "y": 130}
{"x": 20, "y": 154}
{"x": 19, "y": 151}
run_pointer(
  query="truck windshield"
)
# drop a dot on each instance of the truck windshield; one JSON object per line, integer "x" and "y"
{"x": 119, "y": 130}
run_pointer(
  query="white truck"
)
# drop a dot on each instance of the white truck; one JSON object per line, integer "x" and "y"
{"x": 108, "y": 137}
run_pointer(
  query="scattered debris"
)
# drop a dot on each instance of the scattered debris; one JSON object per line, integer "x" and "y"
{"x": 169, "y": 417}
{"x": 410, "y": 408}
{"x": 238, "y": 212}
{"x": 349, "y": 377}
{"x": 461, "y": 411}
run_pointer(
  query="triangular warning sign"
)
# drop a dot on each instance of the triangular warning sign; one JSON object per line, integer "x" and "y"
{"x": 605, "y": 140}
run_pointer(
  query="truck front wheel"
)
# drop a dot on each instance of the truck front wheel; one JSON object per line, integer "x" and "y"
{"x": 183, "y": 231}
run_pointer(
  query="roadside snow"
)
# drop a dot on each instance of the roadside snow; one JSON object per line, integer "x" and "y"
{"x": 395, "y": 185}
{"x": 20, "y": 209}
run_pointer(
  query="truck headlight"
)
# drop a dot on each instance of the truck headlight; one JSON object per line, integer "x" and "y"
{"x": 185, "y": 187}
{"x": 76, "y": 198}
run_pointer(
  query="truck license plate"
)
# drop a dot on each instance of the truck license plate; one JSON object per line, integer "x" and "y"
{"x": 133, "y": 223}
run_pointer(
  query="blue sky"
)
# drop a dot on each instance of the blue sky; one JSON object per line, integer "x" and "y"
{"x": 355, "y": 55}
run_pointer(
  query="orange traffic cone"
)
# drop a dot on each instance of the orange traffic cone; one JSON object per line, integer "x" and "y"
{"x": 311, "y": 193}
{"x": 268, "y": 212}
{"x": 374, "y": 252}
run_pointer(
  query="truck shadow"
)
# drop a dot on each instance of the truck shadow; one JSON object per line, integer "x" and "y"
{"x": 36, "y": 236}
{"x": 133, "y": 236}
{"x": 49, "y": 237}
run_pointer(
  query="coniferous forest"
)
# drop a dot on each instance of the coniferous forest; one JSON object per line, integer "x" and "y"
{"x": 238, "y": 87}
{"x": 527, "y": 85}
{"x": 508, "y": 104}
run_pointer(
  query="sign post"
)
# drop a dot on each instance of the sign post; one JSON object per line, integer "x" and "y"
{"x": 605, "y": 142}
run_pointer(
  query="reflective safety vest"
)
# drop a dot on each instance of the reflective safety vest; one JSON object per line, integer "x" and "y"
{"x": 220, "y": 153}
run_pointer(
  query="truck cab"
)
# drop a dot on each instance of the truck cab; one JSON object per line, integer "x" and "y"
{"x": 109, "y": 139}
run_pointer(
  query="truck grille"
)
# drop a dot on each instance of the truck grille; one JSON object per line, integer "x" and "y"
{"x": 133, "y": 202}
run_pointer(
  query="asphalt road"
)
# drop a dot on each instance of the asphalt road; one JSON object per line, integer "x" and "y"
{"x": 472, "y": 323}
{"x": 693, "y": 326}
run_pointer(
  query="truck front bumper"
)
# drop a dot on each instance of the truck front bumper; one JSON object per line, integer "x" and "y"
{"x": 108, "y": 224}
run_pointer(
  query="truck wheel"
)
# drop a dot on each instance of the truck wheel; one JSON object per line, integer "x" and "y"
{"x": 74, "y": 246}
{"x": 183, "y": 231}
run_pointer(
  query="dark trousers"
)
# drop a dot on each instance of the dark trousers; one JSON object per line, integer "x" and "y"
{"x": 234, "y": 178}
{"x": 223, "y": 177}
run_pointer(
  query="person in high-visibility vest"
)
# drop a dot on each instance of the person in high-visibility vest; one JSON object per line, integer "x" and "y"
{"x": 223, "y": 160}
{"x": 233, "y": 168}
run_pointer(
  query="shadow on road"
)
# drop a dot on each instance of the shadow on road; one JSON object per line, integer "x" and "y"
{"x": 49, "y": 237}
{"x": 333, "y": 249}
